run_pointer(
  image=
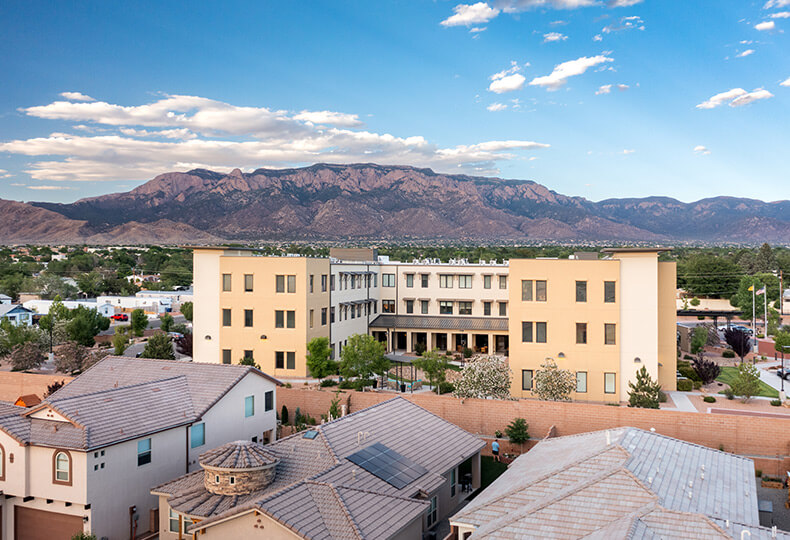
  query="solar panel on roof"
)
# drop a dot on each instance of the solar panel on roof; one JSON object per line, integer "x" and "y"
{"x": 385, "y": 463}
{"x": 310, "y": 434}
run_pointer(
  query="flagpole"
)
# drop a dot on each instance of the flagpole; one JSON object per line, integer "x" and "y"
{"x": 754, "y": 317}
{"x": 765, "y": 299}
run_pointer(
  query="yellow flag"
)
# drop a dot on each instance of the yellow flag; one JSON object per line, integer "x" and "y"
{"x": 751, "y": 289}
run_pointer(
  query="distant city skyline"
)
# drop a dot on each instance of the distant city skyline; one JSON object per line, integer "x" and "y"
{"x": 595, "y": 98}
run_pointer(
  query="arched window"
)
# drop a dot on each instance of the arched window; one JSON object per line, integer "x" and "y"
{"x": 2, "y": 462}
{"x": 61, "y": 467}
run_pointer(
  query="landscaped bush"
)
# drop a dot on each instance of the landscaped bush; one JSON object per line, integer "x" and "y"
{"x": 776, "y": 402}
{"x": 328, "y": 382}
{"x": 728, "y": 353}
{"x": 446, "y": 387}
{"x": 467, "y": 352}
{"x": 687, "y": 371}
{"x": 696, "y": 384}
{"x": 685, "y": 385}
{"x": 709, "y": 399}
{"x": 419, "y": 348}
{"x": 662, "y": 397}
{"x": 359, "y": 384}
{"x": 346, "y": 384}
{"x": 729, "y": 394}
{"x": 688, "y": 357}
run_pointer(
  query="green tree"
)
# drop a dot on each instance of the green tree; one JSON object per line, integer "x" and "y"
{"x": 11, "y": 336}
{"x": 58, "y": 311}
{"x": 166, "y": 322}
{"x": 743, "y": 298}
{"x": 518, "y": 432}
{"x": 186, "y": 310}
{"x": 747, "y": 383}
{"x": 708, "y": 275}
{"x": 249, "y": 361}
{"x": 85, "y": 324}
{"x": 645, "y": 392}
{"x": 765, "y": 260}
{"x": 553, "y": 383}
{"x": 26, "y": 356}
{"x": 139, "y": 322}
{"x": 73, "y": 358}
{"x": 159, "y": 346}
{"x": 739, "y": 340}
{"x": 284, "y": 415}
{"x": 699, "y": 338}
{"x": 782, "y": 342}
{"x": 90, "y": 283}
{"x": 334, "y": 409}
{"x": 434, "y": 364}
{"x": 363, "y": 357}
{"x": 319, "y": 358}
{"x": 120, "y": 340}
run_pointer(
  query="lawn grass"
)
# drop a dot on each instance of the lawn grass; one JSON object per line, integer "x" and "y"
{"x": 729, "y": 373}
{"x": 490, "y": 470}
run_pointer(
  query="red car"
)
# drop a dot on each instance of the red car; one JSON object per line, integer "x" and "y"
{"x": 120, "y": 317}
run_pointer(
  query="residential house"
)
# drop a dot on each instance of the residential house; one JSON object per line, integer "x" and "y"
{"x": 16, "y": 314}
{"x": 392, "y": 470}
{"x": 86, "y": 458}
{"x": 5, "y": 299}
{"x": 42, "y": 307}
{"x": 619, "y": 483}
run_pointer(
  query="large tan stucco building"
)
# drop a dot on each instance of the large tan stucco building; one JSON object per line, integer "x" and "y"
{"x": 601, "y": 317}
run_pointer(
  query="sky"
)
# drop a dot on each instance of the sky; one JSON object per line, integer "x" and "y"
{"x": 596, "y": 98}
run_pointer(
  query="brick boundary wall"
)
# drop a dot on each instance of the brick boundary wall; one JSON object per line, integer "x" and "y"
{"x": 765, "y": 440}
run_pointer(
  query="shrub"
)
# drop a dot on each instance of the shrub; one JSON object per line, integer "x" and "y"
{"x": 728, "y": 393}
{"x": 696, "y": 384}
{"x": 446, "y": 388}
{"x": 284, "y": 415}
{"x": 662, "y": 397}
{"x": 467, "y": 352}
{"x": 644, "y": 392}
{"x": 688, "y": 372}
{"x": 688, "y": 357}
{"x": 758, "y": 473}
{"x": 288, "y": 385}
{"x": 776, "y": 402}
{"x": 553, "y": 383}
{"x": 685, "y": 385}
{"x": 334, "y": 409}
{"x": 709, "y": 399}
{"x": 346, "y": 384}
{"x": 359, "y": 384}
{"x": 297, "y": 416}
{"x": 419, "y": 348}
{"x": 728, "y": 353}
{"x": 706, "y": 370}
{"x": 517, "y": 431}
{"x": 328, "y": 382}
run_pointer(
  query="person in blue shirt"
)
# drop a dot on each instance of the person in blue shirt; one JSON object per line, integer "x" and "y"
{"x": 495, "y": 449}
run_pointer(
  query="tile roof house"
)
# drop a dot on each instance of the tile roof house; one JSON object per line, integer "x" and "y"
{"x": 388, "y": 471}
{"x": 16, "y": 314}
{"x": 620, "y": 483}
{"x": 79, "y": 460}
{"x": 28, "y": 400}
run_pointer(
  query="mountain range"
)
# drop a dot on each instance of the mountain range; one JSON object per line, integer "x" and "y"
{"x": 376, "y": 202}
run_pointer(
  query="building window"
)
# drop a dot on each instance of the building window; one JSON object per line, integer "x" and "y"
{"x": 581, "y": 291}
{"x": 310, "y": 317}
{"x": 279, "y": 360}
{"x": 249, "y": 406}
{"x": 608, "y": 292}
{"x": 226, "y": 317}
{"x": 198, "y": 432}
{"x": 526, "y": 332}
{"x": 410, "y": 280}
{"x": 464, "y": 308}
{"x": 143, "y": 452}
{"x": 232, "y": 480}
{"x": 332, "y": 315}
{"x": 268, "y": 401}
{"x": 424, "y": 280}
{"x": 285, "y": 319}
{"x": 61, "y": 465}
{"x": 540, "y": 332}
{"x": 464, "y": 282}
{"x": 174, "y": 521}
{"x": 526, "y": 290}
{"x": 388, "y": 306}
{"x": 486, "y": 308}
{"x": 226, "y": 358}
{"x": 323, "y": 316}
{"x": 247, "y": 282}
{"x": 609, "y": 386}
{"x": 279, "y": 319}
{"x": 453, "y": 482}
{"x": 445, "y": 307}
{"x": 332, "y": 282}
{"x": 312, "y": 279}
{"x": 581, "y": 382}
{"x": 503, "y": 282}
{"x": 323, "y": 282}
{"x": 424, "y": 307}
{"x": 432, "y": 513}
{"x": 540, "y": 291}
{"x": 609, "y": 331}
{"x": 387, "y": 280}
{"x": 446, "y": 281}
{"x": 279, "y": 283}
{"x": 409, "y": 306}
{"x": 503, "y": 309}
{"x": 290, "y": 319}
{"x": 581, "y": 333}
{"x": 486, "y": 282}
{"x": 290, "y": 360}
{"x": 526, "y": 379}
{"x": 248, "y": 318}
{"x": 226, "y": 282}
{"x": 291, "y": 284}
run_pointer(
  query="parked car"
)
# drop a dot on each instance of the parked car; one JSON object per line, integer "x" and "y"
{"x": 120, "y": 317}
{"x": 175, "y": 335}
{"x": 782, "y": 373}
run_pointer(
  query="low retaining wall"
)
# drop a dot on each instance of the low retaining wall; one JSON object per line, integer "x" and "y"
{"x": 766, "y": 440}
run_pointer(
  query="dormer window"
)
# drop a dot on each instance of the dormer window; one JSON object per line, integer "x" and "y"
{"x": 232, "y": 480}
{"x": 216, "y": 479}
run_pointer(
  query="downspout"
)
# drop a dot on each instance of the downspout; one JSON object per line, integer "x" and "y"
{"x": 186, "y": 448}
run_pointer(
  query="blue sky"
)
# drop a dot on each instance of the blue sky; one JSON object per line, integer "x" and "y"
{"x": 597, "y": 98}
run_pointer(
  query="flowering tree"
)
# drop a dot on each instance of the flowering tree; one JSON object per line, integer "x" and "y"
{"x": 487, "y": 376}
{"x": 553, "y": 383}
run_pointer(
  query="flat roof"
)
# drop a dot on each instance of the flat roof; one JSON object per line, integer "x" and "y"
{"x": 636, "y": 250}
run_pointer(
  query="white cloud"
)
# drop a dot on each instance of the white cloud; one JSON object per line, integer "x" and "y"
{"x": 736, "y": 97}
{"x": 628, "y": 152}
{"x": 554, "y": 36}
{"x": 562, "y": 72}
{"x": 508, "y": 83}
{"x": 781, "y": 15}
{"x": 634, "y": 22}
{"x": 329, "y": 118}
{"x": 786, "y": 82}
{"x": 227, "y": 137}
{"x": 607, "y": 88}
{"x": 76, "y": 96}
{"x": 4, "y": 174}
{"x": 747, "y": 52}
{"x": 494, "y": 107}
{"x": 478, "y": 29}
{"x": 597, "y": 37}
{"x": 765, "y": 25}
{"x": 623, "y": 3}
{"x": 47, "y": 188}
{"x": 471, "y": 14}
{"x": 702, "y": 150}
{"x": 516, "y": 6}
{"x": 770, "y": 4}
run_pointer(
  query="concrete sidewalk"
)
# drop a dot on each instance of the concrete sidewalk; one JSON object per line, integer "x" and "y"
{"x": 682, "y": 401}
